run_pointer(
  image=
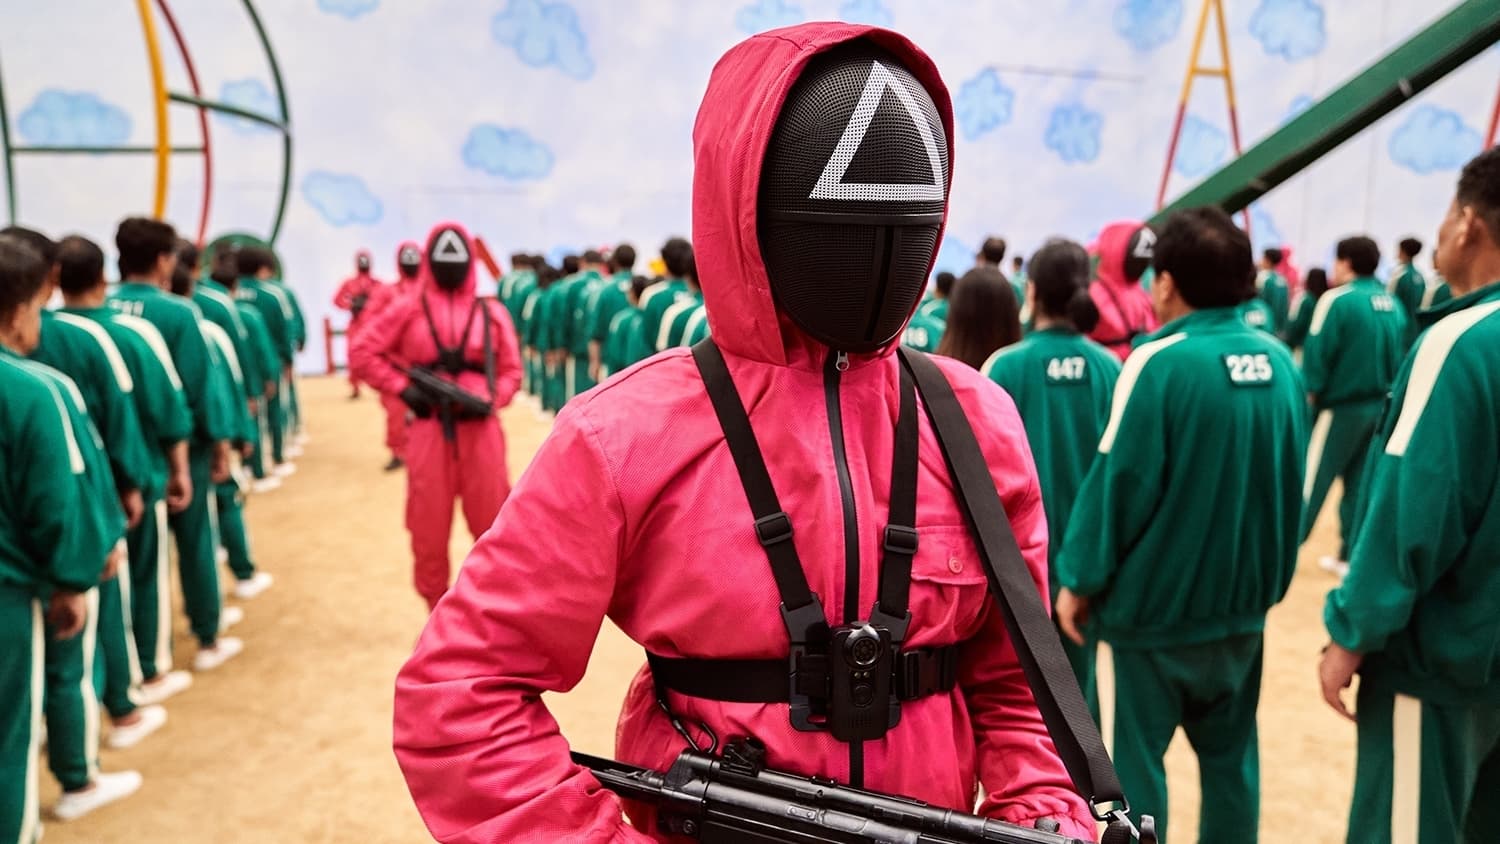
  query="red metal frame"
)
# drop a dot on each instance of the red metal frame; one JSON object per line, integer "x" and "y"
{"x": 208, "y": 153}
{"x": 1489, "y": 140}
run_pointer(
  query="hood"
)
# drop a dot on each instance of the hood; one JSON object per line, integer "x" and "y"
{"x": 1110, "y": 249}
{"x": 1288, "y": 270}
{"x": 405, "y": 245}
{"x": 745, "y": 94}
{"x": 429, "y": 284}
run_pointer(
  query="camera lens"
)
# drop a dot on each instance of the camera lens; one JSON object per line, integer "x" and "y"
{"x": 863, "y": 695}
{"x": 864, "y": 651}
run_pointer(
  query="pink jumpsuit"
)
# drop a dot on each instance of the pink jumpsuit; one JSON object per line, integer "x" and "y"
{"x": 1125, "y": 310}
{"x": 632, "y": 509}
{"x": 359, "y": 284}
{"x": 472, "y": 466}
{"x": 395, "y": 409}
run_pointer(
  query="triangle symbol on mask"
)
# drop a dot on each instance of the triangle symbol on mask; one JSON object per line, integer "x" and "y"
{"x": 450, "y": 248}
{"x": 831, "y": 184}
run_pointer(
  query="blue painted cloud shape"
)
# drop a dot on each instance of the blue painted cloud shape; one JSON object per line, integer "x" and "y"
{"x": 1299, "y": 104}
{"x": 251, "y": 95}
{"x": 73, "y": 118}
{"x": 508, "y": 153}
{"x": 953, "y": 256}
{"x": 1148, "y": 24}
{"x": 1263, "y": 230}
{"x": 767, "y": 14}
{"x": 1201, "y": 147}
{"x": 544, "y": 35}
{"x": 872, "y": 12}
{"x": 350, "y": 9}
{"x": 1433, "y": 139}
{"x": 342, "y": 199}
{"x": 1292, "y": 29}
{"x": 983, "y": 104}
{"x": 1073, "y": 132}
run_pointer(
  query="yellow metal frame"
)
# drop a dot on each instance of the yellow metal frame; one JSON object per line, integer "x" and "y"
{"x": 159, "y": 95}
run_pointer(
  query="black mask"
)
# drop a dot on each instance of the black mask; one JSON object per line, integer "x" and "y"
{"x": 1139, "y": 251}
{"x": 852, "y": 193}
{"x": 409, "y": 261}
{"x": 362, "y": 263}
{"x": 448, "y": 254}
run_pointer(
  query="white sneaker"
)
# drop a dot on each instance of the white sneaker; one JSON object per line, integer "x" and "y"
{"x": 129, "y": 735}
{"x": 283, "y": 470}
{"x": 229, "y": 617}
{"x": 253, "y": 586}
{"x": 292, "y": 451}
{"x": 223, "y": 650}
{"x": 301, "y": 438}
{"x": 221, "y": 556}
{"x": 1334, "y": 566}
{"x": 104, "y": 790}
{"x": 163, "y": 687}
{"x": 266, "y": 484}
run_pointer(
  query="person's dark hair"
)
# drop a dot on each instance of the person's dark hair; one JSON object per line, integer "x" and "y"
{"x": 1060, "y": 278}
{"x": 23, "y": 271}
{"x": 983, "y": 315}
{"x": 546, "y": 274}
{"x": 1273, "y": 256}
{"x": 593, "y": 256}
{"x": 141, "y": 241}
{"x": 1410, "y": 247}
{"x": 250, "y": 260}
{"x": 944, "y": 283}
{"x": 1362, "y": 253}
{"x": 570, "y": 264}
{"x": 44, "y": 245}
{"x": 1315, "y": 283}
{"x": 1479, "y": 186}
{"x": 638, "y": 285}
{"x": 80, "y": 264}
{"x": 1018, "y": 262}
{"x": 226, "y": 266}
{"x": 1208, "y": 257}
{"x": 187, "y": 253}
{"x": 182, "y": 281}
{"x": 677, "y": 254}
{"x": 993, "y": 250}
{"x": 623, "y": 257}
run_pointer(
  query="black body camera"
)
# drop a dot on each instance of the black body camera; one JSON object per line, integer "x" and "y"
{"x": 862, "y": 660}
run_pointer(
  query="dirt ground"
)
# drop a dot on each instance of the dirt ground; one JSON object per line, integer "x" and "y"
{"x": 291, "y": 741}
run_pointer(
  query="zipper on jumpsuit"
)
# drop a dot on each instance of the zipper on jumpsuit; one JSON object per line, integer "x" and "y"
{"x": 833, "y": 371}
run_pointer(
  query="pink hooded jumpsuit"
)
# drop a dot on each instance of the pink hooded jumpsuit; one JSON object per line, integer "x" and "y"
{"x": 1125, "y": 309}
{"x": 380, "y": 297}
{"x": 633, "y": 509}
{"x": 359, "y": 284}
{"x": 472, "y": 467}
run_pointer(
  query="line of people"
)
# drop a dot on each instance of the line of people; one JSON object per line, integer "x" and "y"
{"x": 132, "y": 415}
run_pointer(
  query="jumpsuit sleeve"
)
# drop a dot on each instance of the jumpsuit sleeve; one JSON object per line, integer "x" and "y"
{"x": 482, "y": 756}
{"x": 1120, "y": 491}
{"x": 507, "y": 355}
{"x": 1431, "y": 483}
{"x": 375, "y": 342}
{"x": 190, "y": 355}
{"x": 120, "y": 425}
{"x": 344, "y": 298}
{"x": 55, "y": 485}
{"x": 1023, "y": 777}
{"x": 219, "y": 397}
{"x": 1321, "y": 345}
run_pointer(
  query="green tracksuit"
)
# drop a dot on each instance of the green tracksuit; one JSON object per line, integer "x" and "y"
{"x": 1258, "y": 315}
{"x": 1295, "y": 333}
{"x": 229, "y": 496}
{"x": 624, "y": 338}
{"x": 1183, "y": 537}
{"x": 1354, "y": 346}
{"x": 297, "y": 327}
{"x": 655, "y": 300}
{"x": 49, "y": 539}
{"x": 1061, "y": 382}
{"x": 552, "y": 304}
{"x": 275, "y": 311}
{"x": 674, "y": 320}
{"x": 1437, "y": 295}
{"x": 205, "y": 390}
{"x": 936, "y": 308}
{"x": 697, "y": 327}
{"x": 262, "y": 370}
{"x": 1272, "y": 289}
{"x": 609, "y": 300}
{"x": 923, "y": 333}
{"x": 83, "y": 350}
{"x": 576, "y": 326}
{"x": 1422, "y": 591}
{"x": 165, "y": 421}
{"x": 533, "y": 372}
{"x": 1407, "y": 286}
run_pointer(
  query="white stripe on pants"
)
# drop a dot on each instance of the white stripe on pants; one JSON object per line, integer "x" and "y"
{"x": 1315, "y": 448}
{"x": 1406, "y": 770}
{"x": 86, "y": 685}
{"x": 1104, "y": 682}
{"x": 163, "y": 593}
{"x": 30, "y": 818}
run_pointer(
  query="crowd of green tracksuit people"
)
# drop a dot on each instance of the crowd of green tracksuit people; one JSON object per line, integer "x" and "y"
{"x": 593, "y": 316}
{"x": 132, "y": 413}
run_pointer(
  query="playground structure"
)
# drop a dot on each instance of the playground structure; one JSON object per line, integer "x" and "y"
{"x": 162, "y": 97}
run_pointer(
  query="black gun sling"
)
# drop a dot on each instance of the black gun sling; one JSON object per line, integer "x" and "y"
{"x": 918, "y": 672}
{"x": 1031, "y": 631}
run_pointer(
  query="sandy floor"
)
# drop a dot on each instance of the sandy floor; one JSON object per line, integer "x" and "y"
{"x": 291, "y": 741}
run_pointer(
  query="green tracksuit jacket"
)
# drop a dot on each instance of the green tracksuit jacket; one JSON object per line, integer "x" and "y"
{"x": 935, "y": 308}
{"x": 275, "y": 311}
{"x": 1178, "y": 543}
{"x": 674, "y": 320}
{"x": 697, "y": 326}
{"x": 609, "y": 300}
{"x": 655, "y": 300}
{"x": 1408, "y": 287}
{"x": 177, "y": 321}
{"x": 1355, "y": 344}
{"x": 1259, "y": 315}
{"x": 1272, "y": 289}
{"x": 923, "y": 333}
{"x": 1295, "y": 333}
{"x": 624, "y": 340}
{"x": 83, "y": 350}
{"x": 218, "y": 307}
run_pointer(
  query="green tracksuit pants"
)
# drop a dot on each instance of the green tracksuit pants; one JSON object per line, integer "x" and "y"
{"x": 256, "y": 462}
{"x": 231, "y": 509}
{"x": 1211, "y": 690}
{"x": 196, "y": 530}
{"x": 151, "y": 590}
{"x": 1427, "y": 774}
{"x": 554, "y": 387}
{"x": 120, "y": 667}
{"x": 22, "y": 677}
{"x": 276, "y": 424}
{"x": 1340, "y": 440}
{"x": 1082, "y": 658}
{"x": 576, "y": 377}
{"x": 530, "y": 377}
{"x": 72, "y": 703}
{"x": 293, "y": 407}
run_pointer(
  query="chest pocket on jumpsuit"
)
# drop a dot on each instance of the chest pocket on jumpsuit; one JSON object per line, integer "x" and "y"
{"x": 948, "y": 584}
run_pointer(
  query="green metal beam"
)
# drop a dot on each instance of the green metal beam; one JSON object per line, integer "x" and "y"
{"x": 286, "y": 121}
{"x": 226, "y": 108}
{"x": 98, "y": 150}
{"x": 1451, "y": 41}
{"x": 10, "y": 166}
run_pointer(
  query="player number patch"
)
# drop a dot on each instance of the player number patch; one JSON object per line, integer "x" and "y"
{"x": 1249, "y": 370}
{"x": 1066, "y": 370}
{"x": 1382, "y": 303}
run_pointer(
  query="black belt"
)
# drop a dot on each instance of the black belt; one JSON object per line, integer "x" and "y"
{"x": 919, "y": 672}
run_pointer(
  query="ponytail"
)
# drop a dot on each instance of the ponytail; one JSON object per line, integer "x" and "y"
{"x": 1059, "y": 274}
{"x": 1082, "y": 311}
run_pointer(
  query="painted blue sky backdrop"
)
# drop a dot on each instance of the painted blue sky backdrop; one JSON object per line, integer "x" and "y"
{"x": 548, "y": 122}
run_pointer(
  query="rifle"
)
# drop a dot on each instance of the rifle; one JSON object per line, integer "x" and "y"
{"x": 448, "y": 400}
{"x": 734, "y": 799}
